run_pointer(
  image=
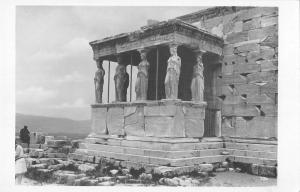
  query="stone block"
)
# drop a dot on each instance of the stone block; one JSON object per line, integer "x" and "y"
{"x": 227, "y": 69}
{"x": 160, "y": 110}
{"x": 233, "y": 59}
{"x": 270, "y": 110}
{"x": 248, "y": 47}
{"x": 99, "y": 120}
{"x": 233, "y": 99}
{"x": 262, "y": 127}
{"x": 228, "y": 49}
{"x": 262, "y": 33}
{"x": 48, "y": 138}
{"x": 258, "y": 99}
{"x": 267, "y": 171}
{"x": 247, "y": 89}
{"x": 268, "y": 65}
{"x": 245, "y": 110}
{"x": 115, "y": 121}
{"x": 262, "y": 78}
{"x": 246, "y": 68}
{"x": 269, "y": 20}
{"x": 193, "y": 112}
{"x": 227, "y": 110}
{"x": 234, "y": 79}
{"x": 251, "y": 24}
{"x": 270, "y": 87}
{"x": 238, "y": 27}
{"x": 237, "y": 37}
{"x": 194, "y": 127}
{"x": 134, "y": 121}
{"x": 267, "y": 52}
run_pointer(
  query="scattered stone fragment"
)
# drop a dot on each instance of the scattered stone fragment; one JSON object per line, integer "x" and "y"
{"x": 205, "y": 167}
{"x": 55, "y": 167}
{"x": 203, "y": 174}
{"x": 238, "y": 170}
{"x": 225, "y": 164}
{"x": 221, "y": 169}
{"x": 106, "y": 183}
{"x": 103, "y": 179}
{"x": 85, "y": 168}
{"x": 39, "y": 166}
{"x": 230, "y": 169}
{"x": 125, "y": 171}
{"x": 114, "y": 171}
{"x": 263, "y": 178}
{"x": 224, "y": 153}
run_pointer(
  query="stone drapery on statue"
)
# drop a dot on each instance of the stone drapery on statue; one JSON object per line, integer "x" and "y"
{"x": 141, "y": 85}
{"x": 121, "y": 83}
{"x": 197, "y": 85}
{"x": 99, "y": 81}
{"x": 173, "y": 73}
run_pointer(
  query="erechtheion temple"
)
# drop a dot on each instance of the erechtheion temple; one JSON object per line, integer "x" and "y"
{"x": 205, "y": 92}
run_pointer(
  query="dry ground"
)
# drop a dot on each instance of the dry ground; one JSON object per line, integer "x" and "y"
{"x": 226, "y": 179}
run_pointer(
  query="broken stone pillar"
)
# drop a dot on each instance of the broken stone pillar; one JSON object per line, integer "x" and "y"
{"x": 197, "y": 85}
{"x": 141, "y": 85}
{"x": 99, "y": 81}
{"x": 173, "y": 73}
{"x": 121, "y": 81}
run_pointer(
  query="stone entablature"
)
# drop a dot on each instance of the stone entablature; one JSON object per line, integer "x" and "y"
{"x": 166, "y": 32}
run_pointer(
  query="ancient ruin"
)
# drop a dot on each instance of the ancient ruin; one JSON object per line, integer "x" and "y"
{"x": 206, "y": 93}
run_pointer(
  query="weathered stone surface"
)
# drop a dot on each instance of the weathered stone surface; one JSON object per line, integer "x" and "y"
{"x": 193, "y": 112}
{"x": 194, "y": 127}
{"x": 263, "y": 32}
{"x": 161, "y": 110}
{"x": 269, "y": 20}
{"x": 262, "y": 127}
{"x": 161, "y": 126}
{"x": 115, "y": 121}
{"x": 205, "y": 167}
{"x": 134, "y": 121}
{"x": 99, "y": 120}
{"x": 85, "y": 168}
{"x": 251, "y": 24}
{"x": 237, "y": 37}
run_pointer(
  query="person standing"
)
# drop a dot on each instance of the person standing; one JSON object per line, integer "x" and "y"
{"x": 20, "y": 163}
{"x": 25, "y": 135}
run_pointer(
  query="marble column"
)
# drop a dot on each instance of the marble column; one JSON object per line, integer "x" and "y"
{"x": 121, "y": 79}
{"x": 197, "y": 85}
{"x": 141, "y": 84}
{"x": 99, "y": 81}
{"x": 173, "y": 73}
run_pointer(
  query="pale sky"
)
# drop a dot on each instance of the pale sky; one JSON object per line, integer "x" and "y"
{"x": 54, "y": 62}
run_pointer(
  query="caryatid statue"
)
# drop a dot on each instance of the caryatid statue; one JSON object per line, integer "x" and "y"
{"x": 121, "y": 81}
{"x": 197, "y": 86}
{"x": 173, "y": 73}
{"x": 99, "y": 81}
{"x": 141, "y": 85}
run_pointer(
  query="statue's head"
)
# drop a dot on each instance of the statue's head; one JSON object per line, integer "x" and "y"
{"x": 143, "y": 55}
{"x": 173, "y": 49}
{"x": 99, "y": 63}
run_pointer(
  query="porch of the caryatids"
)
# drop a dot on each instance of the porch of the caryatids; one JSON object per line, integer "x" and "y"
{"x": 141, "y": 85}
{"x": 173, "y": 73}
{"x": 121, "y": 79}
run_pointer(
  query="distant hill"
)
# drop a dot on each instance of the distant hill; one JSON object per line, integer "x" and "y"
{"x": 53, "y": 125}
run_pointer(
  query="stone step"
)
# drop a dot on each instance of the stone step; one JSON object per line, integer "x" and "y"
{"x": 157, "y": 145}
{"x": 152, "y": 153}
{"x": 247, "y": 153}
{"x": 253, "y": 160}
{"x": 150, "y": 160}
{"x": 251, "y": 147}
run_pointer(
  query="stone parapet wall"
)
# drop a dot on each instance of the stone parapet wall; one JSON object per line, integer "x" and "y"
{"x": 249, "y": 68}
{"x": 166, "y": 118}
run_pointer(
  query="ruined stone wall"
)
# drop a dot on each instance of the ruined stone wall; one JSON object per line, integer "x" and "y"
{"x": 249, "y": 67}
